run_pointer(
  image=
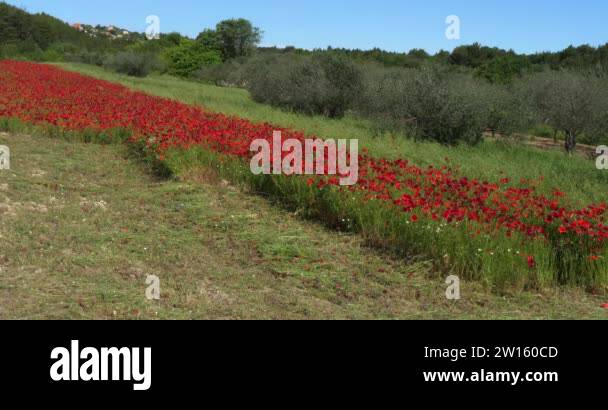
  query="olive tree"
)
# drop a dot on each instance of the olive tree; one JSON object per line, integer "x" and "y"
{"x": 505, "y": 113}
{"x": 320, "y": 84}
{"x": 569, "y": 101}
{"x": 427, "y": 103}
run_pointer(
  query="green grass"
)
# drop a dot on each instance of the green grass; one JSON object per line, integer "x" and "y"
{"x": 82, "y": 225}
{"x": 490, "y": 160}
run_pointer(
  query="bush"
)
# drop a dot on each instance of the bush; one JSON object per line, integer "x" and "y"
{"x": 190, "y": 56}
{"x": 8, "y": 50}
{"x": 86, "y": 57}
{"x": 320, "y": 84}
{"x": 428, "y": 103}
{"x": 49, "y": 55}
{"x": 133, "y": 64}
{"x": 545, "y": 131}
{"x": 289, "y": 82}
{"x": 231, "y": 73}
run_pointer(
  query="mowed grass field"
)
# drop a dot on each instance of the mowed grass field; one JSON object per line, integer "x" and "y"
{"x": 82, "y": 225}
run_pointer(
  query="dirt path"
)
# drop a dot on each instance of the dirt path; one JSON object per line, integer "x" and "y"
{"x": 587, "y": 151}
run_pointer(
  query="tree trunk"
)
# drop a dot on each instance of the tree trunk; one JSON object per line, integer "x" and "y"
{"x": 570, "y": 142}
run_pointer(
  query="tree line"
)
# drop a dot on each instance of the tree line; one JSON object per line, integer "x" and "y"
{"x": 23, "y": 34}
{"x": 434, "y": 101}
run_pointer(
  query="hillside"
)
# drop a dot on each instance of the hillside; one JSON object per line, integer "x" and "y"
{"x": 22, "y": 32}
{"x": 82, "y": 225}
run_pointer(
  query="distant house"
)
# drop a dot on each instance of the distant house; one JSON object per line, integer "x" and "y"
{"x": 112, "y": 32}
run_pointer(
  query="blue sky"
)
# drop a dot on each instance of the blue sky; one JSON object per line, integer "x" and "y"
{"x": 398, "y": 25}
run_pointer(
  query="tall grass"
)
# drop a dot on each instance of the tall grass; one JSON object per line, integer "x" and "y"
{"x": 499, "y": 261}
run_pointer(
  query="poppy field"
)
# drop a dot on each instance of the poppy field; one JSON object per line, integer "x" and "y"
{"x": 504, "y": 232}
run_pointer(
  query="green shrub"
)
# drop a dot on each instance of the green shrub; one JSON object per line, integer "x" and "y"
{"x": 231, "y": 73}
{"x": 133, "y": 64}
{"x": 321, "y": 84}
{"x": 8, "y": 50}
{"x": 49, "y": 55}
{"x": 86, "y": 57}
{"x": 190, "y": 56}
{"x": 286, "y": 82}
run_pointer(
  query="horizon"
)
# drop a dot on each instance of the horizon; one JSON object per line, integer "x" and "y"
{"x": 391, "y": 28}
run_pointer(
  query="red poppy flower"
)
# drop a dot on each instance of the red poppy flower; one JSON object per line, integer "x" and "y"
{"x": 46, "y": 95}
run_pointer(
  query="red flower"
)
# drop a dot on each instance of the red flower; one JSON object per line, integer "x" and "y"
{"x": 46, "y": 95}
{"x": 531, "y": 262}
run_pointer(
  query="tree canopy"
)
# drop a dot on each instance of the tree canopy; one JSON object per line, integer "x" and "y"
{"x": 233, "y": 38}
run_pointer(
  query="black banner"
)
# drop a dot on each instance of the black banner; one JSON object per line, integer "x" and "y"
{"x": 258, "y": 360}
